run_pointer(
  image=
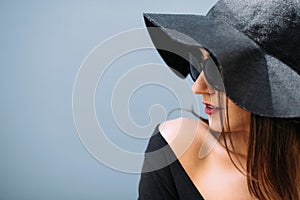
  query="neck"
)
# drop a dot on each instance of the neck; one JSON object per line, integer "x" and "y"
{"x": 237, "y": 143}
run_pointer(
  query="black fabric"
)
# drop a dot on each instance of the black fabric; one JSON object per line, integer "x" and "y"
{"x": 168, "y": 183}
{"x": 273, "y": 24}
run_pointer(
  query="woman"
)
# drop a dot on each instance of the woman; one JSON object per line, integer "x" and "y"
{"x": 244, "y": 59}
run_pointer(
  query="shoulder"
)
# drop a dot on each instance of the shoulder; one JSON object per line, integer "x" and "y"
{"x": 183, "y": 134}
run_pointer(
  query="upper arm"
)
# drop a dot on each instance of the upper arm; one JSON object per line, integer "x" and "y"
{"x": 156, "y": 180}
{"x": 157, "y": 185}
{"x": 183, "y": 135}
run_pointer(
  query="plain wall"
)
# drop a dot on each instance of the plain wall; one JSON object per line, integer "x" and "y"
{"x": 43, "y": 44}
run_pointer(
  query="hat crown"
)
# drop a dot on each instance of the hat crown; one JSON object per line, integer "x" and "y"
{"x": 272, "y": 24}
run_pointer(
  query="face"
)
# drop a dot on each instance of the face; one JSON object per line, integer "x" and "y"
{"x": 215, "y": 102}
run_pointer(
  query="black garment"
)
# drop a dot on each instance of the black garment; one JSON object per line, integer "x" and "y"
{"x": 168, "y": 183}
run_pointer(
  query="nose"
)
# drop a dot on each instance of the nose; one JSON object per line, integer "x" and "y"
{"x": 201, "y": 86}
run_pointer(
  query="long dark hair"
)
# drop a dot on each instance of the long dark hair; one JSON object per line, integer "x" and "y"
{"x": 273, "y": 161}
{"x": 273, "y": 158}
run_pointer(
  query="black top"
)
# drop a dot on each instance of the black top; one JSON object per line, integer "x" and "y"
{"x": 168, "y": 183}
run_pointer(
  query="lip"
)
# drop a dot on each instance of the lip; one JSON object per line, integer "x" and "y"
{"x": 210, "y": 109}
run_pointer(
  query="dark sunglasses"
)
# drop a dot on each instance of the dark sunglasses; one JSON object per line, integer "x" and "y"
{"x": 210, "y": 69}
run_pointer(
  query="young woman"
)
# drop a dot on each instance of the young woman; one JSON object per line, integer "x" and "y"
{"x": 243, "y": 57}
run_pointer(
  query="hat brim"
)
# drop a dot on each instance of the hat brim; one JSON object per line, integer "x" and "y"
{"x": 254, "y": 80}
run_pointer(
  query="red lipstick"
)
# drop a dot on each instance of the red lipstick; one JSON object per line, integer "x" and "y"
{"x": 210, "y": 109}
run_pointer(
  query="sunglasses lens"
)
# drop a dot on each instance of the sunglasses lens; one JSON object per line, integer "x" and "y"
{"x": 195, "y": 67}
{"x": 213, "y": 75}
{"x": 211, "y": 71}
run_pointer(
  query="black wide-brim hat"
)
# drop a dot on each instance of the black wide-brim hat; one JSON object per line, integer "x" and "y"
{"x": 256, "y": 45}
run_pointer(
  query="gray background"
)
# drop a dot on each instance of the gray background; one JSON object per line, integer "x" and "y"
{"x": 42, "y": 46}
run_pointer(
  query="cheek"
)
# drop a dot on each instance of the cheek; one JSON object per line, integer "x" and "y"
{"x": 239, "y": 119}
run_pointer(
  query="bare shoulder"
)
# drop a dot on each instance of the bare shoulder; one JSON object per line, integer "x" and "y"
{"x": 183, "y": 134}
{"x": 171, "y": 128}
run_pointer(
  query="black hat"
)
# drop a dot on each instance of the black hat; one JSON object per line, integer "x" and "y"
{"x": 255, "y": 43}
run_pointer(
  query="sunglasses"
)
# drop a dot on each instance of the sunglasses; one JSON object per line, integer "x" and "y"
{"x": 209, "y": 68}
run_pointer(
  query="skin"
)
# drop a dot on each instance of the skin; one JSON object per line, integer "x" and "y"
{"x": 214, "y": 175}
